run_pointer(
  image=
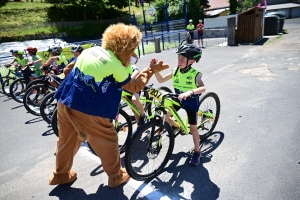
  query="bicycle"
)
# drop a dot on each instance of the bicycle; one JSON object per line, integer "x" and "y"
{"x": 147, "y": 103}
{"x": 151, "y": 147}
{"x": 12, "y": 74}
{"x": 123, "y": 123}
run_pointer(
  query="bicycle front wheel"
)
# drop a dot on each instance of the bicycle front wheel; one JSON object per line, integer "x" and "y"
{"x": 208, "y": 114}
{"x": 6, "y": 85}
{"x": 17, "y": 89}
{"x": 48, "y": 106}
{"x": 149, "y": 150}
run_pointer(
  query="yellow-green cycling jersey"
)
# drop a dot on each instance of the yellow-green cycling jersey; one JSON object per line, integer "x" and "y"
{"x": 183, "y": 82}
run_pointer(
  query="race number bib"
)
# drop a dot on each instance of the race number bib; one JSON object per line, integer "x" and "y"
{"x": 157, "y": 94}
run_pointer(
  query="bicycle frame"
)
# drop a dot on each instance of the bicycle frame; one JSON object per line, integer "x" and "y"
{"x": 166, "y": 103}
{"x": 129, "y": 102}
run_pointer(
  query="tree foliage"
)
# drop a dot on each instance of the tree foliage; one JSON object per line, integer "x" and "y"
{"x": 246, "y": 4}
{"x": 195, "y": 9}
{"x": 2, "y": 3}
{"x": 89, "y": 9}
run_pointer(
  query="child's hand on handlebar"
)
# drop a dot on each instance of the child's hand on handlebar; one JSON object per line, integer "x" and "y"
{"x": 185, "y": 95}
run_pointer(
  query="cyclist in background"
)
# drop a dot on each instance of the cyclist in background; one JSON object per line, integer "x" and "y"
{"x": 36, "y": 62}
{"x": 16, "y": 59}
{"x": 187, "y": 82}
{"x": 56, "y": 80}
{"x": 190, "y": 28}
{"x": 134, "y": 72}
{"x": 26, "y": 71}
{"x": 56, "y": 55}
{"x": 76, "y": 50}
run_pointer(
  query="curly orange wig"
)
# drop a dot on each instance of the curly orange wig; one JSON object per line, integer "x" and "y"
{"x": 122, "y": 40}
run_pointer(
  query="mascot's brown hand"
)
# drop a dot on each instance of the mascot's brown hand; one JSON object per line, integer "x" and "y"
{"x": 158, "y": 67}
{"x": 135, "y": 85}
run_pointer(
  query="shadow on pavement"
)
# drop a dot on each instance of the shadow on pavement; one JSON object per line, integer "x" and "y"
{"x": 35, "y": 120}
{"x": 49, "y": 132}
{"x": 66, "y": 192}
{"x": 183, "y": 181}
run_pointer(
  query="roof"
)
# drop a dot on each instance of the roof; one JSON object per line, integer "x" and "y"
{"x": 217, "y": 4}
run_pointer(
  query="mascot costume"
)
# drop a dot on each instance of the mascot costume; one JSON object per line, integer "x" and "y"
{"x": 88, "y": 101}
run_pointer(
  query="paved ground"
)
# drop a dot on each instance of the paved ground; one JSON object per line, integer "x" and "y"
{"x": 253, "y": 153}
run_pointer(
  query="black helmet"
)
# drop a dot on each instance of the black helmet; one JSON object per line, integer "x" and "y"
{"x": 189, "y": 51}
{"x": 14, "y": 51}
{"x": 95, "y": 44}
{"x": 55, "y": 49}
{"x": 77, "y": 48}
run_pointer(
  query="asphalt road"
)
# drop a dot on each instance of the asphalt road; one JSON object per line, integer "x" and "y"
{"x": 252, "y": 154}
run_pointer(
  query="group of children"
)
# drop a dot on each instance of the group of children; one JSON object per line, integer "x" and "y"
{"x": 38, "y": 68}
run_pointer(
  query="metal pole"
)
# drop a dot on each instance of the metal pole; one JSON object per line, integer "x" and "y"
{"x": 129, "y": 11}
{"x": 167, "y": 16}
{"x": 185, "y": 14}
{"x": 144, "y": 19}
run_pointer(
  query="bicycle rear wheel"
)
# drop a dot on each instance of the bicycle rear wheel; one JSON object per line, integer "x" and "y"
{"x": 208, "y": 114}
{"x": 17, "y": 89}
{"x": 149, "y": 151}
{"x": 123, "y": 126}
{"x": 48, "y": 106}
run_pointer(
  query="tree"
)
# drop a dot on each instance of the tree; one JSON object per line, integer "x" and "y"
{"x": 2, "y": 3}
{"x": 195, "y": 9}
{"x": 246, "y": 4}
{"x": 233, "y": 6}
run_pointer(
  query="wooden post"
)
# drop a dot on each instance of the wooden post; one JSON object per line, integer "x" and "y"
{"x": 231, "y": 34}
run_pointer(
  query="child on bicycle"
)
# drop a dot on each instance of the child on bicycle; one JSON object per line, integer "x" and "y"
{"x": 16, "y": 59}
{"x": 76, "y": 50}
{"x": 36, "y": 62}
{"x": 56, "y": 55}
{"x": 135, "y": 98}
{"x": 187, "y": 83}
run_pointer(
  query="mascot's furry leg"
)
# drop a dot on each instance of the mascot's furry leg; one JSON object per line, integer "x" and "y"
{"x": 102, "y": 136}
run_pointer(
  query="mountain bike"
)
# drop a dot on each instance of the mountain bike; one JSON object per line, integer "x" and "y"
{"x": 148, "y": 105}
{"x": 151, "y": 147}
{"x": 11, "y": 75}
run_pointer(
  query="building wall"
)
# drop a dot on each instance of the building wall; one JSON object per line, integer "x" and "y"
{"x": 273, "y": 2}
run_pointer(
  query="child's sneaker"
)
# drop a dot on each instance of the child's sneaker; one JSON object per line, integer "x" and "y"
{"x": 196, "y": 158}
